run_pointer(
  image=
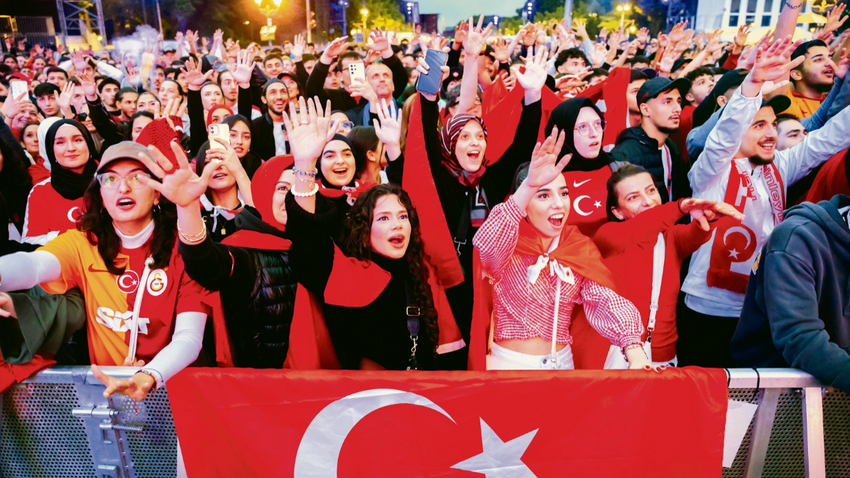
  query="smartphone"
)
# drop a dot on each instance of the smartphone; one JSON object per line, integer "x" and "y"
{"x": 19, "y": 89}
{"x": 357, "y": 70}
{"x": 430, "y": 83}
{"x": 220, "y": 131}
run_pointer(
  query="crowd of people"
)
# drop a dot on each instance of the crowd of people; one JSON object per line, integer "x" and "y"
{"x": 561, "y": 202}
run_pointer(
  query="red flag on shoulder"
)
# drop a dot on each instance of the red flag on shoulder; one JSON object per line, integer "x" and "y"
{"x": 269, "y": 423}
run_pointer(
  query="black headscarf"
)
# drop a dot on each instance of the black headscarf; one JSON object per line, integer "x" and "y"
{"x": 68, "y": 184}
{"x": 564, "y": 117}
{"x": 319, "y": 177}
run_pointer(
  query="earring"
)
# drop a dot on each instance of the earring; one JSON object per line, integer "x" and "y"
{"x": 157, "y": 209}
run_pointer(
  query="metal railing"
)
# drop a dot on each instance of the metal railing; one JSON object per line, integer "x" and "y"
{"x": 57, "y": 424}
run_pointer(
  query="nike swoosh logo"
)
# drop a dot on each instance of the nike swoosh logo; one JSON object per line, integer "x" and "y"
{"x": 575, "y": 184}
{"x": 92, "y": 269}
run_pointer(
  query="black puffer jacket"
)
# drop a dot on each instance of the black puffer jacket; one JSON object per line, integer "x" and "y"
{"x": 636, "y": 147}
{"x": 257, "y": 292}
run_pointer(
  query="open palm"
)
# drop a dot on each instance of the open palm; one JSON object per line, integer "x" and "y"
{"x": 545, "y": 166}
{"x": 182, "y": 186}
{"x": 535, "y": 76}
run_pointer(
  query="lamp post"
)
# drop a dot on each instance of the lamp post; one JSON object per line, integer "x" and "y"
{"x": 364, "y": 13}
{"x": 268, "y": 8}
{"x": 623, "y": 8}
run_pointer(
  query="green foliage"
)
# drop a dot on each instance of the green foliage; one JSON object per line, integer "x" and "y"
{"x": 382, "y": 13}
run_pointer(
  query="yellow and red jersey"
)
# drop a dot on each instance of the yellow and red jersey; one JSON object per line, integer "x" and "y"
{"x": 110, "y": 298}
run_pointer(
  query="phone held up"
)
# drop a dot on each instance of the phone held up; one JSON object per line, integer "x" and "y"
{"x": 430, "y": 83}
{"x": 220, "y": 131}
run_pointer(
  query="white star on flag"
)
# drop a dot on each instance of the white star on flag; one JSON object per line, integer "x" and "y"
{"x": 597, "y": 204}
{"x": 499, "y": 459}
{"x": 733, "y": 253}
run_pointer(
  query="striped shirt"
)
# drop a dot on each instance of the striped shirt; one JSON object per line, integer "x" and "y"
{"x": 523, "y": 311}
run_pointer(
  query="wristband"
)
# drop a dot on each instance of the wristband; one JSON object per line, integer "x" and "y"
{"x": 630, "y": 347}
{"x": 312, "y": 192}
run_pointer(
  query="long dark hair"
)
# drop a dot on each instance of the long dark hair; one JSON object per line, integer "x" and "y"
{"x": 97, "y": 224}
{"x": 363, "y": 139}
{"x": 357, "y": 243}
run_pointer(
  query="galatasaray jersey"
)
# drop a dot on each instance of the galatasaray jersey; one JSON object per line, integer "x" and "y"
{"x": 110, "y": 299}
{"x": 48, "y": 211}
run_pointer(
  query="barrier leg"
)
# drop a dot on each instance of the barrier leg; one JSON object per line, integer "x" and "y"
{"x": 762, "y": 426}
{"x": 815, "y": 452}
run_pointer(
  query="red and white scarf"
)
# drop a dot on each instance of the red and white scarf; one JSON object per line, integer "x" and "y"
{"x": 735, "y": 243}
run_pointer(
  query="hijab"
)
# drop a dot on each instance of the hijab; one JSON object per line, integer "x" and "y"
{"x": 448, "y": 140}
{"x": 42, "y": 133}
{"x": 564, "y": 116}
{"x": 68, "y": 184}
{"x": 263, "y": 187}
{"x": 325, "y": 184}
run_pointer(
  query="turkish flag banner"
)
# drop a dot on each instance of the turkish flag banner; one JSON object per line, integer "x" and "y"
{"x": 328, "y": 424}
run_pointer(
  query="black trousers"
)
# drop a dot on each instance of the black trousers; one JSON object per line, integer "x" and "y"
{"x": 704, "y": 340}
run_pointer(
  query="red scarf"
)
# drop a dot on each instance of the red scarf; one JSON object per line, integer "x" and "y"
{"x": 734, "y": 242}
{"x": 575, "y": 251}
{"x": 352, "y": 283}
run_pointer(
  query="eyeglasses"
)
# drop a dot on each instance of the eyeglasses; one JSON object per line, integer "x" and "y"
{"x": 344, "y": 124}
{"x": 113, "y": 180}
{"x": 584, "y": 128}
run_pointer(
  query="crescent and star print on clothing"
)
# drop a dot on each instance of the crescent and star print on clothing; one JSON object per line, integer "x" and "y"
{"x": 588, "y": 194}
{"x": 110, "y": 298}
{"x": 359, "y": 424}
{"x": 47, "y": 211}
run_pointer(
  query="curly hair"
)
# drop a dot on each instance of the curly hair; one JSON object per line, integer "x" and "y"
{"x": 356, "y": 234}
{"x": 97, "y": 224}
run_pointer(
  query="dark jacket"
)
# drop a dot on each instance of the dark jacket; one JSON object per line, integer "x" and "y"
{"x": 377, "y": 331}
{"x": 262, "y": 128}
{"x": 496, "y": 183}
{"x": 110, "y": 128}
{"x": 636, "y": 147}
{"x": 797, "y": 308}
{"x": 257, "y": 292}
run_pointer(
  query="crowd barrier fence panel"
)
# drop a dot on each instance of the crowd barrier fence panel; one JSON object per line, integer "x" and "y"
{"x": 57, "y": 424}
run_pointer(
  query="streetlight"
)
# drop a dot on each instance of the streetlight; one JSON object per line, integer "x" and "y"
{"x": 364, "y": 12}
{"x": 267, "y": 32}
{"x": 623, "y": 9}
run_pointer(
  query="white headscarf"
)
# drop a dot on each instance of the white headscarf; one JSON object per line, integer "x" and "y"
{"x": 43, "y": 127}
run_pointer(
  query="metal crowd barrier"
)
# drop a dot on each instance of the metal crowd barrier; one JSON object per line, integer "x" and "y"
{"x": 57, "y": 424}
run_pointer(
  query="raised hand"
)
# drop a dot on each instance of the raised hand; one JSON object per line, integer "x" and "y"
{"x": 461, "y": 33}
{"x": 703, "y": 210}
{"x": 643, "y": 36}
{"x": 244, "y": 67}
{"x": 500, "y": 50}
{"x": 89, "y": 85}
{"x": 774, "y": 62}
{"x": 388, "y": 129}
{"x": 79, "y": 61}
{"x": 136, "y": 387}
{"x": 580, "y": 29}
{"x": 741, "y": 36}
{"x": 545, "y": 166}
{"x": 334, "y": 49}
{"x": 179, "y": 185}
{"x": 172, "y": 108}
{"x": 192, "y": 37}
{"x": 834, "y": 18}
{"x": 713, "y": 41}
{"x": 477, "y": 38}
{"x": 534, "y": 77}
{"x": 298, "y": 46}
{"x": 308, "y": 131}
{"x": 226, "y": 158}
{"x": 64, "y": 99}
{"x": 194, "y": 77}
{"x": 424, "y": 68}
{"x": 678, "y": 32}
{"x": 529, "y": 35}
{"x": 380, "y": 40}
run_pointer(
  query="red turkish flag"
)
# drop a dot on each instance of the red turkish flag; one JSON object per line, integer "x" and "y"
{"x": 543, "y": 424}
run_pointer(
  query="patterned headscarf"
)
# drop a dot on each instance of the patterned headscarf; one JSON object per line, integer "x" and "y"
{"x": 448, "y": 140}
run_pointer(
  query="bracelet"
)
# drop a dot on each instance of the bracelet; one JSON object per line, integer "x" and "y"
{"x": 151, "y": 375}
{"x": 298, "y": 172}
{"x": 629, "y": 347}
{"x": 312, "y": 192}
{"x": 793, "y": 7}
{"x": 192, "y": 239}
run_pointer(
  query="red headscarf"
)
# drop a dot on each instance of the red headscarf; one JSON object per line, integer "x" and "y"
{"x": 263, "y": 186}
{"x": 448, "y": 140}
{"x": 216, "y": 108}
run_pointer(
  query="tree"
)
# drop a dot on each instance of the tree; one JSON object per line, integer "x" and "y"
{"x": 382, "y": 13}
